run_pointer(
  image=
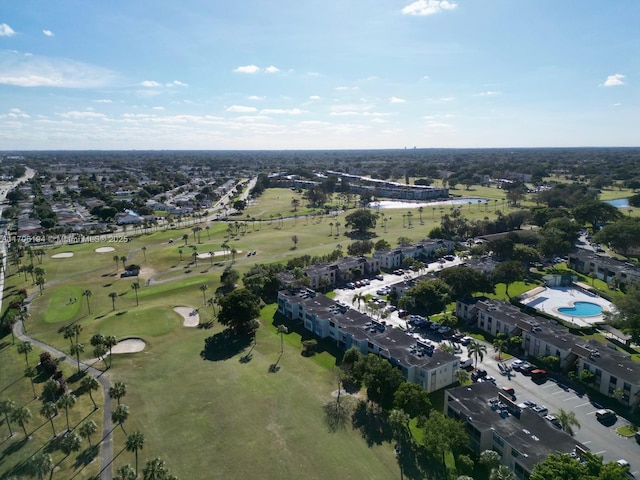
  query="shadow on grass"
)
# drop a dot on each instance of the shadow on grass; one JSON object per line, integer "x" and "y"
{"x": 119, "y": 314}
{"x": 416, "y": 464}
{"x": 224, "y": 345}
{"x": 13, "y": 447}
{"x": 85, "y": 457}
{"x": 372, "y": 425}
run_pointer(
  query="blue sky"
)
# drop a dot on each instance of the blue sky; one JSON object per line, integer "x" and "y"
{"x": 311, "y": 74}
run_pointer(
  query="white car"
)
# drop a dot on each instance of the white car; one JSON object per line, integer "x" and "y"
{"x": 466, "y": 363}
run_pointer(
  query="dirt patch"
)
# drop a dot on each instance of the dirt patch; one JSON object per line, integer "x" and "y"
{"x": 62, "y": 255}
{"x": 189, "y": 314}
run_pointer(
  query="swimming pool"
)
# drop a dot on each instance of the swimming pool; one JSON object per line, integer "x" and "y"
{"x": 582, "y": 309}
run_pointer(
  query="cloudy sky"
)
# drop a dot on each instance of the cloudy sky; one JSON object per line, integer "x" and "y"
{"x": 318, "y": 74}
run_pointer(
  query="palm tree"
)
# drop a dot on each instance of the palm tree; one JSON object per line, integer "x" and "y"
{"x": 70, "y": 443}
{"x": 40, "y": 464}
{"x": 123, "y": 259}
{"x": 110, "y": 341}
{"x": 420, "y": 210}
{"x": 120, "y": 415}
{"x": 185, "y": 237}
{"x": 87, "y": 293}
{"x": 22, "y": 416}
{"x": 90, "y": 383}
{"x": 144, "y": 252}
{"x": 7, "y": 407}
{"x": 116, "y": 259}
{"x": 359, "y": 297}
{"x": 67, "y": 400}
{"x": 40, "y": 283}
{"x": 76, "y": 350}
{"x": 499, "y": 345}
{"x": 117, "y": 391}
{"x": 87, "y": 429}
{"x": 180, "y": 253}
{"x": 203, "y": 288}
{"x": 476, "y": 349}
{"x": 282, "y": 329}
{"x": 126, "y": 472}
{"x": 207, "y": 228}
{"x": 135, "y": 442}
{"x": 136, "y": 286}
{"x": 25, "y": 348}
{"x": 49, "y": 410}
{"x": 113, "y": 296}
{"x": 154, "y": 470}
{"x": 212, "y": 303}
{"x": 462, "y": 376}
{"x": 567, "y": 420}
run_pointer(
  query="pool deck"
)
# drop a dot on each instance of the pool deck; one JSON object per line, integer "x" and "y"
{"x": 548, "y": 300}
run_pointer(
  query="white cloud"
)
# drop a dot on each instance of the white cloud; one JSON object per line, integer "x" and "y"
{"x": 84, "y": 115}
{"x": 314, "y": 97}
{"x": 428, "y": 7}
{"x": 281, "y": 111}
{"x": 489, "y": 93}
{"x": 47, "y": 33}
{"x": 158, "y": 108}
{"x": 256, "y": 97}
{"x": 35, "y": 71}
{"x": 272, "y": 69}
{"x": 178, "y": 83}
{"x": 6, "y": 30}
{"x": 247, "y": 69}
{"x": 397, "y": 100}
{"x": 149, "y": 83}
{"x": 425, "y": 77}
{"x": 103, "y": 100}
{"x": 342, "y": 88}
{"x": 241, "y": 109}
{"x": 616, "y": 104}
{"x": 614, "y": 80}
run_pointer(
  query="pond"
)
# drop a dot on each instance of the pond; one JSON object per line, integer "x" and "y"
{"x": 619, "y": 202}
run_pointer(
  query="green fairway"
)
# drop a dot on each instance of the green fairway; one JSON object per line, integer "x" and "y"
{"x": 63, "y": 304}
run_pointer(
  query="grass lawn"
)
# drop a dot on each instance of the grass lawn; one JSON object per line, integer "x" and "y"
{"x": 627, "y": 430}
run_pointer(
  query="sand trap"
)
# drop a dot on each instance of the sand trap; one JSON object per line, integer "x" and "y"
{"x": 104, "y": 249}
{"x": 190, "y": 320}
{"x": 217, "y": 253}
{"x": 63, "y": 255}
{"x": 129, "y": 345}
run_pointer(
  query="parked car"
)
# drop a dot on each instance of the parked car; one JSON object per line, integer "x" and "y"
{"x": 476, "y": 374}
{"x": 554, "y": 420}
{"x": 540, "y": 409}
{"x": 351, "y": 285}
{"x": 466, "y": 341}
{"x": 379, "y": 277}
{"x": 457, "y": 337}
{"x": 444, "y": 330}
{"x": 606, "y": 415}
{"x": 435, "y": 326}
{"x": 466, "y": 363}
{"x": 538, "y": 374}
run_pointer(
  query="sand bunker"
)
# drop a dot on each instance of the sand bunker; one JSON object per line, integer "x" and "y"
{"x": 217, "y": 253}
{"x": 63, "y": 255}
{"x": 190, "y": 315}
{"x": 129, "y": 345}
{"x": 104, "y": 249}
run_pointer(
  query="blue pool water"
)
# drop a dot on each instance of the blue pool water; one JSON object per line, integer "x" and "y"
{"x": 581, "y": 309}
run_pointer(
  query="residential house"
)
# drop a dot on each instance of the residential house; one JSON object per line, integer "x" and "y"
{"x": 604, "y": 268}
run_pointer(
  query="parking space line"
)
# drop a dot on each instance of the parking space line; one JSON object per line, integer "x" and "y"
{"x": 600, "y": 453}
{"x": 582, "y": 405}
{"x": 586, "y": 442}
{"x": 559, "y": 391}
{"x": 569, "y": 398}
{"x": 591, "y": 413}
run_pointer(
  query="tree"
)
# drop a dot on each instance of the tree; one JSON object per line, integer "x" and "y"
{"x": 475, "y": 350}
{"x": 382, "y": 380}
{"x": 500, "y": 344}
{"x": 87, "y": 429}
{"x": 203, "y": 288}
{"x": 113, "y": 296}
{"x": 67, "y": 400}
{"x": 361, "y": 220}
{"x": 136, "y": 286}
{"x": 126, "y": 472}
{"x": 22, "y": 416}
{"x": 155, "y": 470}
{"x": 116, "y": 259}
{"x": 294, "y": 239}
{"x": 359, "y": 298}
{"x": 628, "y": 307}
{"x": 135, "y": 442}
{"x": 76, "y": 350}
{"x": 282, "y": 330}
{"x": 508, "y": 273}
{"x": 229, "y": 278}
{"x": 442, "y": 434}
{"x": 502, "y": 472}
{"x": 25, "y": 348}
{"x": 596, "y": 212}
{"x": 431, "y": 295}
{"x": 117, "y": 391}
{"x": 567, "y": 420}
{"x": 120, "y": 415}
{"x": 110, "y": 341}
{"x": 87, "y": 294}
{"x": 465, "y": 281}
{"x": 412, "y": 399}
{"x": 462, "y": 376}
{"x": 90, "y": 383}
{"x": 6, "y": 408}
{"x": 40, "y": 464}
{"x": 558, "y": 466}
{"x": 70, "y": 443}
{"x": 360, "y": 248}
{"x": 490, "y": 459}
{"x": 622, "y": 235}
{"x": 239, "y": 311}
{"x": 49, "y": 410}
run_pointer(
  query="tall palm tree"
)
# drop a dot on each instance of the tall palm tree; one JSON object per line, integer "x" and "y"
{"x": 41, "y": 464}
{"x": 6, "y": 408}
{"x": 117, "y": 391}
{"x": 476, "y": 349}
{"x": 49, "y": 410}
{"x": 123, "y": 259}
{"x": 120, "y": 415}
{"x": 359, "y": 298}
{"x": 499, "y": 346}
{"x": 87, "y": 429}
{"x": 462, "y": 376}
{"x": 31, "y": 373}
{"x": 116, "y": 259}
{"x": 113, "y": 296}
{"x": 282, "y": 329}
{"x": 67, "y": 400}
{"x": 144, "y": 252}
{"x": 567, "y": 420}
{"x": 203, "y": 288}
{"x": 87, "y": 294}
{"x": 135, "y": 442}
{"x": 110, "y": 341}
{"x": 154, "y": 470}
{"x": 126, "y": 472}
{"x": 90, "y": 383}
{"x": 76, "y": 350}
{"x": 25, "y": 348}
{"x": 22, "y": 416}
{"x": 136, "y": 286}
{"x": 70, "y": 443}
